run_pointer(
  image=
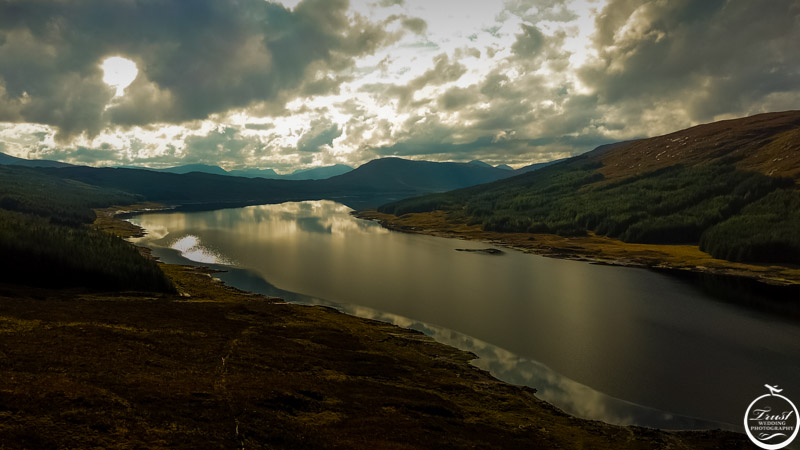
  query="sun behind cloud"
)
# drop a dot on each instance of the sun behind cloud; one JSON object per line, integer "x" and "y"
{"x": 119, "y": 72}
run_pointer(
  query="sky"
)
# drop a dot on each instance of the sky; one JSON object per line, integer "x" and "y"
{"x": 296, "y": 84}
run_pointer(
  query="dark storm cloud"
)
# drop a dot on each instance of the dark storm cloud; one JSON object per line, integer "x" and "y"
{"x": 715, "y": 56}
{"x": 456, "y": 98}
{"x": 195, "y": 58}
{"x": 322, "y": 132}
{"x": 416, "y": 147}
{"x": 224, "y": 146}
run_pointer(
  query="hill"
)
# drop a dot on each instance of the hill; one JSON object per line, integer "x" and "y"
{"x": 8, "y": 160}
{"x": 318, "y": 173}
{"x": 398, "y": 175}
{"x": 189, "y": 188}
{"x": 202, "y": 168}
{"x": 729, "y": 186}
{"x": 46, "y": 239}
{"x": 537, "y": 166}
{"x": 255, "y": 173}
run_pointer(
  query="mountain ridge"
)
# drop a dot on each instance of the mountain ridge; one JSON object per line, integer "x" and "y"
{"x": 369, "y": 185}
{"x": 6, "y": 159}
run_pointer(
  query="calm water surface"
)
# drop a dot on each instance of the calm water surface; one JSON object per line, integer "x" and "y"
{"x": 618, "y": 344}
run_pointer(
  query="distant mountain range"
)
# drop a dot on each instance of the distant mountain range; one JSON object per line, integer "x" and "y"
{"x": 316, "y": 173}
{"x": 401, "y": 175}
{"x": 480, "y": 163}
{"x": 369, "y": 185}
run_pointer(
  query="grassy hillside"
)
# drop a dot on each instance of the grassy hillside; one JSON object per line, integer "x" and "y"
{"x": 730, "y": 186}
{"x": 46, "y": 238}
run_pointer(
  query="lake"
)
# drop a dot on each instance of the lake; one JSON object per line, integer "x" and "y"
{"x": 623, "y": 345}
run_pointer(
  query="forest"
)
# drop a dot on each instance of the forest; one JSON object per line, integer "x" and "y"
{"x": 732, "y": 214}
{"x": 46, "y": 237}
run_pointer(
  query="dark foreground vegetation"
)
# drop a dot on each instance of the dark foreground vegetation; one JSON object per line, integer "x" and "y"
{"x": 732, "y": 211}
{"x": 220, "y": 368}
{"x": 46, "y": 238}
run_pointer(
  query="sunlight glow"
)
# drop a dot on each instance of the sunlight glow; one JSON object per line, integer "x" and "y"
{"x": 119, "y": 72}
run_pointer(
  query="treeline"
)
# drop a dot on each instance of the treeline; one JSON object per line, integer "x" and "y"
{"x": 767, "y": 230}
{"x": 734, "y": 215}
{"x": 67, "y": 202}
{"x": 46, "y": 237}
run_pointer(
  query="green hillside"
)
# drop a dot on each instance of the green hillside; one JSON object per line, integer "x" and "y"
{"x": 710, "y": 197}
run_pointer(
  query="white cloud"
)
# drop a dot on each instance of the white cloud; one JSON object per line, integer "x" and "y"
{"x": 513, "y": 82}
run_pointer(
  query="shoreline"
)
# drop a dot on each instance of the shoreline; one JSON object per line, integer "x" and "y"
{"x": 510, "y": 416}
{"x": 592, "y": 249}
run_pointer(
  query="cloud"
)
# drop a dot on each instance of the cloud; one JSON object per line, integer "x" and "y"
{"x": 529, "y": 43}
{"x": 444, "y": 71}
{"x": 456, "y": 98}
{"x": 195, "y": 58}
{"x": 322, "y": 132}
{"x": 534, "y": 11}
{"x": 259, "y": 126}
{"x": 415, "y": 24}
{"x": 224, "y": 146}
{"x": 83, "y": 155}
{"x": 705, "y": 58}
{"x": 250, "y": 82}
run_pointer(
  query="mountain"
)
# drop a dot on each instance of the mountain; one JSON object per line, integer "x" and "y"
{"x": 398, "y": 175}
{"x": 367, "y": 186}
{"x": 189, "y": 168}
{"x": 13, "y": 160}
{"x": 318, "y": 173}
{"x": 504, "y": 167}
{"x": 729, "y": 186}
{"x": 538, "y": 166}
{"x": 255, "y": 173}
{"x": 479, "y": 163}
{"x": 315, "y": 173}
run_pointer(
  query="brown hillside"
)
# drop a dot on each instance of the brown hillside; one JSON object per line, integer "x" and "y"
{"x": 767, "y": 143}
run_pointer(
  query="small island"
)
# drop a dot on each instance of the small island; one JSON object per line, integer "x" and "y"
{"x": 485, "y": 251}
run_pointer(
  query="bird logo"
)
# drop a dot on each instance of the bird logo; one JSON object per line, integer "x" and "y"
{"x": 773, "y": 389}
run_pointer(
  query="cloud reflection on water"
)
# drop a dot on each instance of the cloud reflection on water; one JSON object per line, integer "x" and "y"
{"x": 572, "y": 397}
{"x": 191, "y": 248}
